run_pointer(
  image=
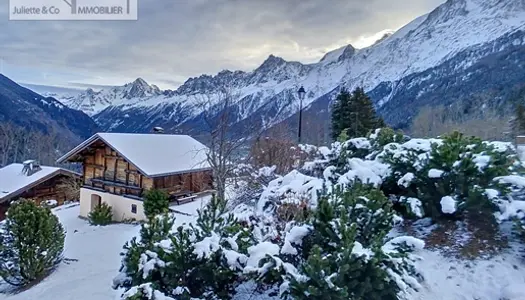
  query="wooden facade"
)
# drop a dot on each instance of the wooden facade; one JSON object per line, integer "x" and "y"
{"x": 53, "y": 188}
{"x": 104, "y": 169}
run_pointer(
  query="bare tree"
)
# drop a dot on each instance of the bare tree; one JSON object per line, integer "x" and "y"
{"x": 276, "y": 148}
{"x": 7, "y": 140}
{"x": 225, "y": 142}
{"x": 71, "y": 188}
{"x": 438, "y": 120}
{"x": 18, "y": 144}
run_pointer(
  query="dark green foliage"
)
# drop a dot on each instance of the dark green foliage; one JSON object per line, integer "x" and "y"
{"x": 32, "y": 243}
{"x": 101, "y": 215}
{"x": 156, "y": 202}
{"x": 316, "y": 287}
{"x": 205, "y": 275}
{"x": 353, "y": 114}
{"x": 384, "y": 136}
{"x": 354, "y": 206}
{"x": 359, "y": 217}
{"x": 469, "y": 167}
{"x": 339, "y": 120}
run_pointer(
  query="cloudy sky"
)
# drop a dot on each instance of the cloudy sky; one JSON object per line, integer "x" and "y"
{"x": 177, "y": 39}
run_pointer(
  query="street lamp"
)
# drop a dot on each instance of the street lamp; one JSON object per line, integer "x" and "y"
{"x": 301, "y": 92}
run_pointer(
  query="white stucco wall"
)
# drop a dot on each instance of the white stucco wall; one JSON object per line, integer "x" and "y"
{"x": 121, "y": 206}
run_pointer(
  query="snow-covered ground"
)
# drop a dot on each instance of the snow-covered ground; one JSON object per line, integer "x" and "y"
{"x": 499, "y": 278}
{"x": 97, "y": 251}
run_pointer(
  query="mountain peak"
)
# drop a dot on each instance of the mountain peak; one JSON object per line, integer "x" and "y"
{"x": 140, "y": 88}
{"x": 273, "y": 60}
{"x": 140, "y": 82}
{"x": 339, "y": 54}
{"x": 384, "y": 37}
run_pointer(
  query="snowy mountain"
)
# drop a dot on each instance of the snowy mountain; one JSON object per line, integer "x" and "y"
{"x": 429, "y": 52}
{"x": 23, "y": 107}
{"x": 92, "y": 102}
{"x": 53, "y": 91}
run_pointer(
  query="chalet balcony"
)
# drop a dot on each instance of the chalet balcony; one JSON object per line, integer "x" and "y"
{"x": 114, "y": 186}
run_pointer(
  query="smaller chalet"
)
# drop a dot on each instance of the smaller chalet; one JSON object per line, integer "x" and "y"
{"x": 118, "y": 168}
{"x": 31, "y": 181}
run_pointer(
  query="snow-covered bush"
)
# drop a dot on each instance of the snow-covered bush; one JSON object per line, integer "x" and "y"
{"x": 200, "y": 261}
{"x": 447, "y": 177}
{"x": 101, "y": 215}
{"x": 441, "y": 178}
{"x": 31, "y": 243}
{"x": 323, "y": 230}
{"x": 221, "y": 253}
{"x": 345, "y": 253}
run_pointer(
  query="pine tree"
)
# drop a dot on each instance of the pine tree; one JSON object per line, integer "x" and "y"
{"x": 155, "y": 202}
{"x": 32, "y": 243}
{"x": 186, "y": 263}
{"x": 339, "y": 113}
{"x": 345, "y": 256}
{"x": 101, "y": 215}
{"x": 355, "y": 114}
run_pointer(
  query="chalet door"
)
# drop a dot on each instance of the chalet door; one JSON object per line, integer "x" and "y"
{"x": 95, "y": 201}
{"x": 188, "y": 184}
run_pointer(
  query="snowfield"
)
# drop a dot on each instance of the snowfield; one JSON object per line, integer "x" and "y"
{"x": 97, "y": 251}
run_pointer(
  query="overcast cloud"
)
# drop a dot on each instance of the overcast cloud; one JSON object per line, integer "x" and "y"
{"x": 177, "y": 39}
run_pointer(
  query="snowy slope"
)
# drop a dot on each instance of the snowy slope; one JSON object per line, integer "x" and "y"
{"x": 424, "y": 43}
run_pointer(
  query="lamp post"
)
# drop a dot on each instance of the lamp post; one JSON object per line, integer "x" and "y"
{"x": 301, "y": 93}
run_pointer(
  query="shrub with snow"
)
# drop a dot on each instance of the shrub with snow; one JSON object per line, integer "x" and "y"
{"x": 32, "y": 242}
{"x": 334, "y": 244}
{"x": 345, "y": 253}
{"x": 101, "y": 215}
{"x": 201, "y": 261}
{"x": 449, "y": 176}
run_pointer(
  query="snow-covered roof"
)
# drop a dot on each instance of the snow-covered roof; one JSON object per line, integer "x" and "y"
{"x": 153, "y": 154}
{"x": 14, "y": 182}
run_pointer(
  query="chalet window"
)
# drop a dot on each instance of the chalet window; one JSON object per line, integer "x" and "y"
{"x": 134, "y": 208}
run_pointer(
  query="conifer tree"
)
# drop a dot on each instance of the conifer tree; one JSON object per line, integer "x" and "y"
{"x": 32, "y": 243}
{"x": 156, "y": 202}
{"x": 355, "y": 114}
{"x": 340, "y": 109}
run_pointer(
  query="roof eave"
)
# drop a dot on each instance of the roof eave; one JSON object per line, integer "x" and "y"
{"x": 77, "y": 149}
{"x": 35, "y": 183}
{"x": 179, "y": 172}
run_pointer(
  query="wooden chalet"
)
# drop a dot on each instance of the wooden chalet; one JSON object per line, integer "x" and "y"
{"x": 29, "y": 180}
{"x": 118, "y": 168}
